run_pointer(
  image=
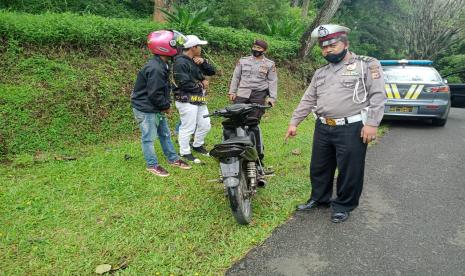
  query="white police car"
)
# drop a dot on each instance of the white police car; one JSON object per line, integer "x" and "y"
{"x": 415, "y": 89}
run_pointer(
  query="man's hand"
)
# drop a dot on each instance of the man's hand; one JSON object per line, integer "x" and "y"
{"x": 205, "y": 84}
{"x": 232, "y": 97}
{"x": 270, "y": 101}
{"x": 291, "y": 132}
{"x": 368, "y": 133}
{"x": 198, "y": 60}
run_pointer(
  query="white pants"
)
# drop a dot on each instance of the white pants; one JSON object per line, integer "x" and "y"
{"x": 192, "y": 121}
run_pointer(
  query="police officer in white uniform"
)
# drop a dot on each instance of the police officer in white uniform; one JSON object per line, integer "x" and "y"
{"x": 347, "y": 99}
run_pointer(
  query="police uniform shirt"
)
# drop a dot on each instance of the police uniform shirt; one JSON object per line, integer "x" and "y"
{"x": 254, "y": 74}
{"x": 331, "y": 91}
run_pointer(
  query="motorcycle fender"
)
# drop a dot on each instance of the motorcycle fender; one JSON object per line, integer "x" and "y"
{"x": 231, "y": 182}
{"x": 230, "y": 167}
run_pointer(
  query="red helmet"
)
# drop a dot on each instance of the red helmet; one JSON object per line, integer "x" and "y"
{"x": 165, "y": 43}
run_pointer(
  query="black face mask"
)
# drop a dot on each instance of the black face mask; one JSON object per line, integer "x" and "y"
{"x": 256, "y": 53}
{"x": 336, "y": 58}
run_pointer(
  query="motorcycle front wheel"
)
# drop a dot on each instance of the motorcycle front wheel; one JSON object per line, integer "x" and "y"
{"x": 240, "y": 201}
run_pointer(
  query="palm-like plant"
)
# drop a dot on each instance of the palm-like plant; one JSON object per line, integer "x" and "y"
{"x": 285, "y": 28}
{"x": 186, "y": 20}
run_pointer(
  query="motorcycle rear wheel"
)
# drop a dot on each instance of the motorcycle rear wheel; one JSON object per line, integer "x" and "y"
{"x": 240, "y": 201}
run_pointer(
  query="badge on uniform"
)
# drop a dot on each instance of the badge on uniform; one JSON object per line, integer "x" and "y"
{"x": 351, "y": 67}
{"x": 350, "y": 70}
{"x": 374, "y": 72}
{"x": 263, "y": 69}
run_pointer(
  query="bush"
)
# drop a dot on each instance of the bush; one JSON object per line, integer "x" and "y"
{"x": 95, "y": 32}
{"x": 108, "y": 8}
{"x": 74, "y": 30}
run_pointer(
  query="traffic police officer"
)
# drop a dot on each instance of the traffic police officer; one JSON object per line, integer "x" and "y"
{"x": 255, "y": 81}
{"x": 347, "y": 99}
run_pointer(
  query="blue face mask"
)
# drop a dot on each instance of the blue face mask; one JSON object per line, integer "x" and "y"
{"x": 336, "y": 58}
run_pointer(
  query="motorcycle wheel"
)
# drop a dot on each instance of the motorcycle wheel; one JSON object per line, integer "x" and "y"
{"x": 241, "y": 205}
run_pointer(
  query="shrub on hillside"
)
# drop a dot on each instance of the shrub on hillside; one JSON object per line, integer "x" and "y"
{"x": 95, "y": 32}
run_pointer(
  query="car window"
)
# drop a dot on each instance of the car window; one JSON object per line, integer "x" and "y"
{"x": 420, "y": 74}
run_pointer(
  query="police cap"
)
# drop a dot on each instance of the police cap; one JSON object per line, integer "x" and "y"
{"x": 329, "y": 33}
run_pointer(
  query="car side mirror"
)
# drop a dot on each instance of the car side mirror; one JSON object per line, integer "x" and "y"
{"x": 445, "y": 81}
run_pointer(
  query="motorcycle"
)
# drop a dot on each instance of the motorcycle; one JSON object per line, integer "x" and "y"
{"x": 241, "y": 169}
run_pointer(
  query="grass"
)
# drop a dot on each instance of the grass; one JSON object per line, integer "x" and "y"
{"x": 67, "y": 217}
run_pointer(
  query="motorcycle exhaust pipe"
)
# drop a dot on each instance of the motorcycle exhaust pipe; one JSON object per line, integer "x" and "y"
{"x": 261, "y": 183}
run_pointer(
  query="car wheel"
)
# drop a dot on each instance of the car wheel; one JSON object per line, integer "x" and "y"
{"x": 439, "y": 122}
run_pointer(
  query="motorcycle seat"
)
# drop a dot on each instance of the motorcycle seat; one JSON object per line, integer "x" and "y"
{"x": 238, "y": 140}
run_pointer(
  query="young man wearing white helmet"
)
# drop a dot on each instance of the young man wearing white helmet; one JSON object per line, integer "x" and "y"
{"x": 150, "y": 101}
{"x": 189, "y": 70}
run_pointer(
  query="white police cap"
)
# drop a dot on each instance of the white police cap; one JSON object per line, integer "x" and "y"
{"x": 329, "y": 33}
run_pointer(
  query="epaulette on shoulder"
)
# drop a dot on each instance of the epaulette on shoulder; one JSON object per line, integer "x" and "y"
{"x": 365, "y": 58}
{"x": 269, "y": 60}
{"x": 322, "y": 67}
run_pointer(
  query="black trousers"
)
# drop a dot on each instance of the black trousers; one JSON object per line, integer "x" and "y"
{"x": 338, "y": 147}
{"x": 257, "y": 97}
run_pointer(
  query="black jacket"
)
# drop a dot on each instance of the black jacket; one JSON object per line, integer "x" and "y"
{"x": 151, "y": 92}
{"x": 188, "y": 75}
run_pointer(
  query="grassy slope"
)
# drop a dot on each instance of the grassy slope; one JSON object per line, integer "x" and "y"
{"x": 64, "y": 218}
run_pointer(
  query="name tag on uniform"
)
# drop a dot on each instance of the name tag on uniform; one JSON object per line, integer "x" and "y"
{"x": 350, "y": 73}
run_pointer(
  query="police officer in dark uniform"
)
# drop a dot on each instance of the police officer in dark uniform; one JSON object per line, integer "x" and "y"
{"x": 347, "y": 99}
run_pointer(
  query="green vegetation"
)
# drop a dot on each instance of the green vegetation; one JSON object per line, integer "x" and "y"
{"x": 95, "y": 33}
{"x": 103, "y": 207}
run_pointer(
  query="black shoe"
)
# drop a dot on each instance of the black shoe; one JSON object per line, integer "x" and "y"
{"x": 338, "y": 217}
{"x": 311, "y": 204}
{"x": 202, "y": 150}
{"x": 189, "y": 157}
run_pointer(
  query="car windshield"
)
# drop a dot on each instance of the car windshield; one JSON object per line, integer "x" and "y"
{"x": 420, "y": 74}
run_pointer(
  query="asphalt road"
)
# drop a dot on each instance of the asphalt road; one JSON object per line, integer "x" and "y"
{"x": 411, "y": 220}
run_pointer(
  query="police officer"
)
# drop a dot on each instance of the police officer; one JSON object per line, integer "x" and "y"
{"x": 255, "y": 81}
{"x": 347, "y": 99}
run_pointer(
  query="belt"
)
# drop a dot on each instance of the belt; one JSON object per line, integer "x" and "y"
{"x": 341, "y": 121}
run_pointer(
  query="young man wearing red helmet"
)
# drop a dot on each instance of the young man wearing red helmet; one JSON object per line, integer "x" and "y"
{"x": 150, "y": 100}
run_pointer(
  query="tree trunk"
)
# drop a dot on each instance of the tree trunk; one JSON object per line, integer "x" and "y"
{"x": 157, "y": 14}
{"x": 324, "y": 16}
{"x": 305, "y": 4}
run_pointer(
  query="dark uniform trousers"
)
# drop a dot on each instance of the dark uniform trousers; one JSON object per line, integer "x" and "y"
{"x": 338, "y": 147}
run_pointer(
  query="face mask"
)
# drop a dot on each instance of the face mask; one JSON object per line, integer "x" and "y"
{"x": 256, "y": 53}
{"x": 336, "y": 58}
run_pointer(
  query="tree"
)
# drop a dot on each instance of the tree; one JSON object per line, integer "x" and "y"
{"x": 432, "y": 26}
{"x": 305, "y": 4}
{"x": 324, "y": 16}
{"x": 157, "y": 6}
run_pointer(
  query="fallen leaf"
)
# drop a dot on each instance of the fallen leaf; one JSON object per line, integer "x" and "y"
{"x": 103, "y": 268}
{"x": 122, "y": 265}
